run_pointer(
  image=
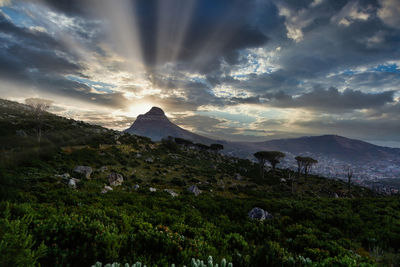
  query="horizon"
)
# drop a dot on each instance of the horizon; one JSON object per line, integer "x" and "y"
{"x": 245, "y": 141}
{"x": 228, "y": 70}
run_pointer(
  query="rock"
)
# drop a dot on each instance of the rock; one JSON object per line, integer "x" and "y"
{"x": 152, "y": 189}
{"x": 238, "y": 177}
{"x": 115, "y": 179}
{"x": 136, "y": 186}
{"x": 106, "y": 189}
{"x": 103, "y": 168}
{"x": 21, "y": 133}
{"x": 259, "y": 214}
{"x": 64, "y": 176}
{"x": 194, "y": 190}
{"x": 171, "y": 192}
{"x": 149, "y": 160}
{"x": 72, "y": 183}
{"x": 283, "y": 180}
{"x": 85, "y": 170}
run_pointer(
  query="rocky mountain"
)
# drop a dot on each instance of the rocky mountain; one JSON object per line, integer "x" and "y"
{"x": 155, "y": 125}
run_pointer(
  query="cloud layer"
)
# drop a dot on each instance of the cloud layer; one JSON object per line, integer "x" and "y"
{"x": 242, "y": 70}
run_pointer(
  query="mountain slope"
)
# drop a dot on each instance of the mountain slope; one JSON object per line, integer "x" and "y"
{"x": 139, "y": 219}
{"x": 155, "y": 125}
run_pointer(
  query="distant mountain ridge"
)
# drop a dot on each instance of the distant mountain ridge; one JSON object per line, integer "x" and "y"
{"x": 334, "y": 146}
{"x": 155, "y": 125}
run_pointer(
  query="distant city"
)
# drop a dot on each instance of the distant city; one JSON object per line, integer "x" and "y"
{"x": 381, "y": 176}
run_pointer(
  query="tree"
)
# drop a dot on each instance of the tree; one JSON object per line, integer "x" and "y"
{"x": 274, "y": 158}
{"x": 216, "y": 147}
{"x": 349, "y": 175}
{"x": 169, "y": 144}
{"x": 184, "y": 142}
{"x": 261, "y": 156}
{"x": 39, "y": 107}
{"x": 304, "y": 164}
{"x": 202, "y": 147}
{"x": 291, "y": 178}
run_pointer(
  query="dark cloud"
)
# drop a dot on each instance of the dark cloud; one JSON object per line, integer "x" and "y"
{"x": 217, "y": 30}
{"x": 42, "y": 62}
{"x": 280, "y": 53}
{"x": 332, "y": 100}
{"x": 359, "y": 128}
{"x": 70, "y": 7}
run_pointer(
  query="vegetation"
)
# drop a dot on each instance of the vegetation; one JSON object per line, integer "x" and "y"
{"x": 273, "y": 157}
{"x": 349, "y": 176}
{"x": 194, "y": 263}
{"x": 39, "y": 107}
{"x": 44, "y": 220}
{"x": 216, "y": 147}
{"x": 304, "y": 164}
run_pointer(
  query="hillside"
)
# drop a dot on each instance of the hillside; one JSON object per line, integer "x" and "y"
{"x": 135, "y": 204}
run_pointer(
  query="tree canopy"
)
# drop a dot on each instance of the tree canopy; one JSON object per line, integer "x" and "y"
{"x": 216, "y": 147}
{"x": 304, "y": 164}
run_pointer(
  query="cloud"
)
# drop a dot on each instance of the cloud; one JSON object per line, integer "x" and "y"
{"x": 277, "y": 57}
{"x": 373, "y": 130}
{"x": 197, "y": 122}
{"x": 389, "y": 12}
{"x": 332, "y": 100}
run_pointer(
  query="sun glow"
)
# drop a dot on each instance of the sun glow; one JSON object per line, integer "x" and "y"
{"x": 138, "y": 108}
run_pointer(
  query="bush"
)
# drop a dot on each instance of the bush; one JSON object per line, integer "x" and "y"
{"x": 17, "y": 245}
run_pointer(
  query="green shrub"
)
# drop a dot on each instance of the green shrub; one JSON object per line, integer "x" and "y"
{"x": 17, "y": 245}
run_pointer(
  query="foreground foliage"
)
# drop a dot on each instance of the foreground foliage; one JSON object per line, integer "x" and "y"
{"x": 44, "y": 221}
{"x": 194, "y": 263}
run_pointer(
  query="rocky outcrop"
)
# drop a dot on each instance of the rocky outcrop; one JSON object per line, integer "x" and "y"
{"x": 103, "y": 169}
{"x": 259, "y": 214}
{"x": 72, "y": 183}
{"x": 106, "y": 189}
{"x": 85, "y": 170}
{"x": 194, "y": 190}
{"x": 63, "y": 176}
{"x": 115, "y": 179}
{"x": 171, "y": 192}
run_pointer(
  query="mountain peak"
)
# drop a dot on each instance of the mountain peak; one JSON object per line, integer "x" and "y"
{"x": 155, "y": 125}
{"x": 155, "y": 111}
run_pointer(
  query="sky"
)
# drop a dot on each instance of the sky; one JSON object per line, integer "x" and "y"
{"x": 241, "y": 70}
